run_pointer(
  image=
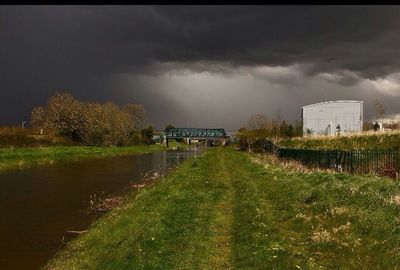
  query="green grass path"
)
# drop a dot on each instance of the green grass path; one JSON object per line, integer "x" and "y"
{"x": 222, "y": 211}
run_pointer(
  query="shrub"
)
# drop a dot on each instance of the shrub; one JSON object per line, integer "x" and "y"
{"x": 90, "y": 123}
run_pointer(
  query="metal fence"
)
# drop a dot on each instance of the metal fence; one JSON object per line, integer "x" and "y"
{"x": 382, "y": 162}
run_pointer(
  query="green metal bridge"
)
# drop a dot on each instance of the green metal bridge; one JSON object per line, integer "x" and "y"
{"x": 196, "y": 133}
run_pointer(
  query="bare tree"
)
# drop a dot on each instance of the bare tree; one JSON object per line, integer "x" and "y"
{"x": 257, "y": 122}
{"x": 91, "y": 123}
{"x": 65, "y": 114}
{"x": 379, "y": 109}
{"x": 138, "y": 115}
{"x": 38, "y": 117}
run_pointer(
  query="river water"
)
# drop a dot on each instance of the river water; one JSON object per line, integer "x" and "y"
{"x": 39, "y": 205}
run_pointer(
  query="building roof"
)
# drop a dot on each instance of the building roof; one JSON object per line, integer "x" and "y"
{"x": 334, "y": 101}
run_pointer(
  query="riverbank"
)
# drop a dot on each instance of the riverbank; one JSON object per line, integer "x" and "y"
{"x": 18, "y": 158}
{"x": 226, "y": 210}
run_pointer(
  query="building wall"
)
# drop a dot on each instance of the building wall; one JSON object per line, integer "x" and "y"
{"x": 322, "y": 118}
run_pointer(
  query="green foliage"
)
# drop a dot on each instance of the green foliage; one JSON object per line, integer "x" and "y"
{"x": 177, "y": 143}
{"x": 135, "y": 139}
{"x": 147, "y": 135}
{"x": 168, "y": 128}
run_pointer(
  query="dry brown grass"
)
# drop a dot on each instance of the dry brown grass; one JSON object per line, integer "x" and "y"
{"x": 268, "y": 160}
{"x": 395, "y": 200}
{"x": 385, "y": 140}
{"x": 349, "y": 134}
{"x": 271, "y": 161}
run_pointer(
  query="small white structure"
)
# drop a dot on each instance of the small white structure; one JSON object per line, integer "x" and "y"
{"x": 377, "y": 126}
{"x": 332, "y": 117}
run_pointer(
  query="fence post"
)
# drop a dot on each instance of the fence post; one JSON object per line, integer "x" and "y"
{"x": 351, "y": 162}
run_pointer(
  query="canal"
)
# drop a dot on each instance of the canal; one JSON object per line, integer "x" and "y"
{"x": 38, "y": 206}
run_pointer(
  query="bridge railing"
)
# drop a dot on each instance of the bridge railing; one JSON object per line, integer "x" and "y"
{"x": 196, "y": 133}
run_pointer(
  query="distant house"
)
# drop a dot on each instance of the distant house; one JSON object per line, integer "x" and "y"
{"x": 332, "y": 117}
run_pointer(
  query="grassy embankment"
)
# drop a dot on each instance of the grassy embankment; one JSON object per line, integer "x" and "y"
{"x": 14, "y": 158}
{"x": 174, "y": 144}
{"x": 367, "y": 140}
{"x": 223, "y": 211}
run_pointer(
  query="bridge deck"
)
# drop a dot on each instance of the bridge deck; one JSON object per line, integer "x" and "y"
{"x": 196, "y": 133}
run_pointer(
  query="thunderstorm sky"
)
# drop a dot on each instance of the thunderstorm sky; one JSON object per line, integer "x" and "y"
{"x": 200, "y": 66}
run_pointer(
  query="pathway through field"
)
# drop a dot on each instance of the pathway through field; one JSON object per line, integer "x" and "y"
{"x": 222, "y": 211}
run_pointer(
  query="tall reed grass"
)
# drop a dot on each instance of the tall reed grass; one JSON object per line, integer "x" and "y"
{"x": 369, "y": 140}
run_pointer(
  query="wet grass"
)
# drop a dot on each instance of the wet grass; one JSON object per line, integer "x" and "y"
{"x": 223, "y": 211}
{"x": 16, "y": 158}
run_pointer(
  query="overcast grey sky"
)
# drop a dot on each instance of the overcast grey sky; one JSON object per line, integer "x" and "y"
{"x": 207, "y": 66}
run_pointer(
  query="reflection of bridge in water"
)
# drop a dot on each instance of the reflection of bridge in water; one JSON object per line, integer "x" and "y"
{"x": 206, "y": 134}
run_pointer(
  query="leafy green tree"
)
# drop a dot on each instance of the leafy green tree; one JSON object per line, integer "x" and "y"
{"x": 168, "y": 128}
{"x": 147, "y": 135}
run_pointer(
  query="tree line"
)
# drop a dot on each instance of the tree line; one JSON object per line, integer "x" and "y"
{"x": 259, "y": 126}
{"x": 92, "y": 123}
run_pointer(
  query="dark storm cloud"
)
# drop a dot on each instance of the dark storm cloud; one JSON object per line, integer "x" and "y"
{"x": 81, "y": 48}
{"x": 117, "y": 39}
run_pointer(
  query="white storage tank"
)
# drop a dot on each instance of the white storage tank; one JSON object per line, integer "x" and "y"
{"x": 331, "y": 117}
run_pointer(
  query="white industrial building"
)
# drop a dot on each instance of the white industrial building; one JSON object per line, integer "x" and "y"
{"x": 327, "y": 118}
